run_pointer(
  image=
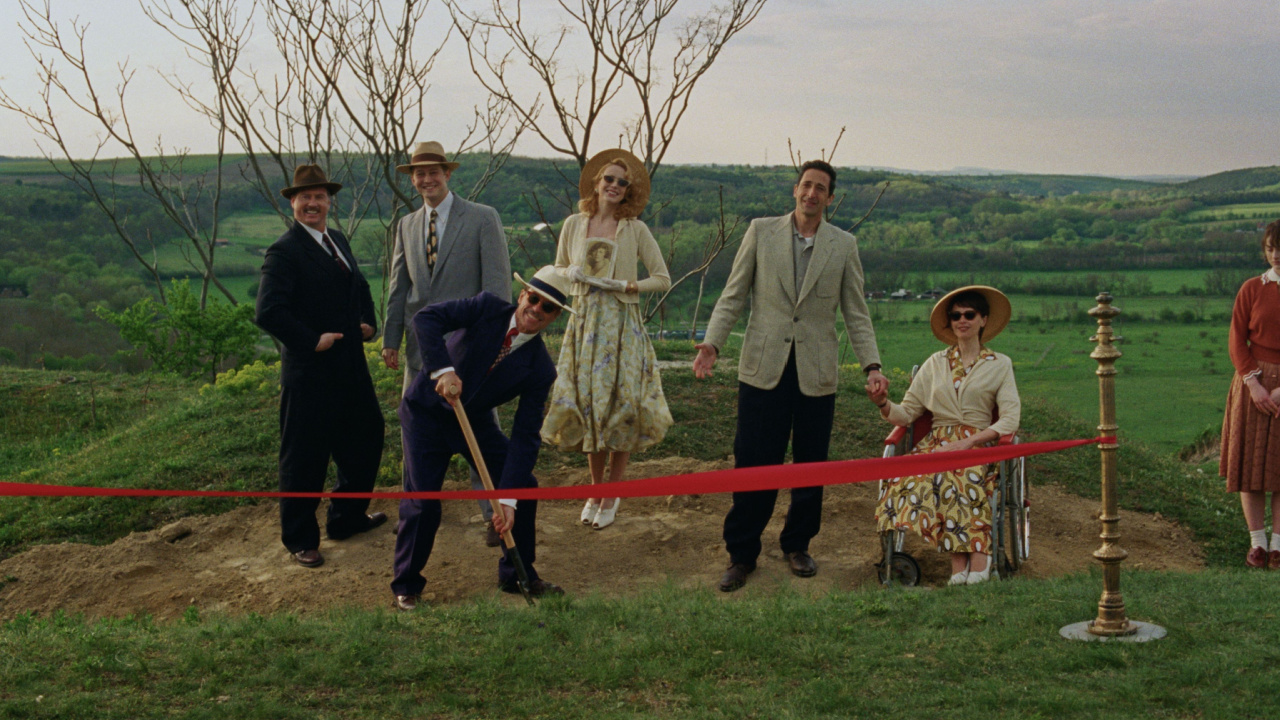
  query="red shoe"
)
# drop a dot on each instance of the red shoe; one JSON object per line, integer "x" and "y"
{"x": 1257, "y": 557}
{"x": 1273, "y": 560}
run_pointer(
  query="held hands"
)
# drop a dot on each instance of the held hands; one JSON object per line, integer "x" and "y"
{"x": 876, "y": 382}
{"x": 877, "y": 393}
{"x": 391, "y": 358}
{"x": 449, "y": 387}
{"x": 327, "y": 340}
{"x": 502, "y": 523}
{"x": 1265, "y": 402}
{"x": 705, "y": 362}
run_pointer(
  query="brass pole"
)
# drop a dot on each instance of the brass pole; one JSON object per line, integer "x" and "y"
{"x": 1111, "y": 620}
{"x": 1111, "y": 623}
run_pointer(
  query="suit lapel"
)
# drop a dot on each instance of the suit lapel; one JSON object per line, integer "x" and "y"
{"x": 415, "y": 243}
{"x": 782, "y": 256}
{"x": 457, "y": 216}
{"x": 311, "y": 249}
{"x": 823, "y": 246}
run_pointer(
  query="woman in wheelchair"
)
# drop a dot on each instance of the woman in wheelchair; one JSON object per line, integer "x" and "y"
{"x": 971, "y": 393}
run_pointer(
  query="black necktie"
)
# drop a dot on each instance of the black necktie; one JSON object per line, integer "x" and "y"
{"x": 433, "y": 242}
{"x": 337, "y": 256}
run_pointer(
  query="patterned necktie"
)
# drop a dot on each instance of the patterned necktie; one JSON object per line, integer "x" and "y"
{"x": 337, "y": 256}
{"x": 506, "y": 348}
{"x": 433, "y": 242}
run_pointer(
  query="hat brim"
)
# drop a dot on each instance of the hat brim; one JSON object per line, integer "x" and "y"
{"x": 997, "y": 318}
{"x": 541, "y": 292}
{"x": 289, "y": 192}
{"x": 638, "y": 190}
{"x": 408, "y": 169}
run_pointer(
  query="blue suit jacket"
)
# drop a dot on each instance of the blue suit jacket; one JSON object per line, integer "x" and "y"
{"x": 527, "y": 373}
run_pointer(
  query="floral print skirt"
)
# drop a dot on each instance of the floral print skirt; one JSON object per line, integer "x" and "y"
{"x": 951, "y": 510}
{"x": 607, "y": 395}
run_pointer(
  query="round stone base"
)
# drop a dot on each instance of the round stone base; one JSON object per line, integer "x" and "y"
{"x": 1080, "y": 631}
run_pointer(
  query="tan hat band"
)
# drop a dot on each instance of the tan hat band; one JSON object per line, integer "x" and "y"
{"x": 428, "y": 157}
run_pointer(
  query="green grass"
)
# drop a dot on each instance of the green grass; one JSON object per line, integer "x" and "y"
{"x": 991, "y": 651}
{"x": 1259, "y": 211}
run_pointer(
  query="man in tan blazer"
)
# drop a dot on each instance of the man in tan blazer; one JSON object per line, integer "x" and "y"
{"x": 798, "y": 270}
{"x": 448, "y": 249}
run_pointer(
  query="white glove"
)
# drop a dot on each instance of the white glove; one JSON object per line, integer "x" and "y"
{"x": 576, "y": 274}
{"x": 607, "y": 284}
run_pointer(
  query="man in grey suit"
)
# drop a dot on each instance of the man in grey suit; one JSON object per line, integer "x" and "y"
{"x": 799, "y": 270}
{"x": 448, "y": 249}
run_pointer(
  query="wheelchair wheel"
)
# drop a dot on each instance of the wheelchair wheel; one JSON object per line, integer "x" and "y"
{"x": 1014, "y": 549}
{"x": 904, "y": 570}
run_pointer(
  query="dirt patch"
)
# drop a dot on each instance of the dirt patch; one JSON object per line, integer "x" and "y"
{"x": 234, "y": 563}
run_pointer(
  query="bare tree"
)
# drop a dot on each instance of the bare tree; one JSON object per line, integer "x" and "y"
{"x": 625, "y": 44}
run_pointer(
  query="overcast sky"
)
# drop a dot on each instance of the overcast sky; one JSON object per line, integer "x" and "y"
{"x": 1114, "y": 87}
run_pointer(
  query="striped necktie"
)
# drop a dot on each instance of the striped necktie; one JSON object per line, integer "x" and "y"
{"x": 337, "y": 256}
{"x": 506, "y": 348}
{"x": 433, "y": 242}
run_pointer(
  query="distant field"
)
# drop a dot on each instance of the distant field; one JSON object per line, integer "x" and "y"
{"x": 1162, "y": 281}
{"x": 1259, "y": 211}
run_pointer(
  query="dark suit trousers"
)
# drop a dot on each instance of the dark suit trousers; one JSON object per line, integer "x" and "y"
{"x": 338, "y": 420}
{"x": 431, "y": 438}
{"x": 767, "y": 421}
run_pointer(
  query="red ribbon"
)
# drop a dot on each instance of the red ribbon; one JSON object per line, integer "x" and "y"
{"x": 770, "y": 477}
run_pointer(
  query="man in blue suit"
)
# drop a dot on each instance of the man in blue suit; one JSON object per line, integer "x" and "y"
{"x": 496, "y": 356}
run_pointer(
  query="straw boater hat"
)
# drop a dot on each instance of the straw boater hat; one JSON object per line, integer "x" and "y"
{"x": 639, "y": 177}
{"x": 550, "y": 284}
{"x": 309, "y": 176}
{"x": 996, "y": 320}
{"x": 425, "y": 154}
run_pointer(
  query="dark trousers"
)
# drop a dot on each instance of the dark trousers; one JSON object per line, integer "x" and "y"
{"x": 767, "y": 421}
{"x": 341, "y": 421}
{"x": 431, "y": 439}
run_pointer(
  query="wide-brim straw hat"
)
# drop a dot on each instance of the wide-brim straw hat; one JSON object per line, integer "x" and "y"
{"x": 637, "y": 191}
{"x": 309, "y": 176}
{"x": 997, "y": 319}
{"x": 550, "y": 284}
{"x": 426, "y": 154}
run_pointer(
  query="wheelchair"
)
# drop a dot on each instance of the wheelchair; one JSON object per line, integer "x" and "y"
{"x": 1010, "y": 512}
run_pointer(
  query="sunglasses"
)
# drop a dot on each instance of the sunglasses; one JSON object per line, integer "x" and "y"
{"x": 620, "y": 182}
{"x": 548, "y": 305}
{"x": 967, "y": 314}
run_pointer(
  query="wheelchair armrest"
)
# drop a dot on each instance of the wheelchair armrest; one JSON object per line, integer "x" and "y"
{"x": 895, "y": 437}
{"x": 1009, "y": 439}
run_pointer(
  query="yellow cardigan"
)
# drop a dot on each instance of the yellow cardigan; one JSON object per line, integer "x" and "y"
{"x": 633, "y": 240}
{"x": 988, "y": 385}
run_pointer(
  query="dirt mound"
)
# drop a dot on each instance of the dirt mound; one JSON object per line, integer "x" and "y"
{"x": 234, "y": 563}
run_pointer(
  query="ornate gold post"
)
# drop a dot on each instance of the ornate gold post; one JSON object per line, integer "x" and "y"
{"x": 1111, "y": 621}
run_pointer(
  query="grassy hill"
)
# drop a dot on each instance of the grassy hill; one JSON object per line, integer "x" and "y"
{"x": 1234, "y": 181}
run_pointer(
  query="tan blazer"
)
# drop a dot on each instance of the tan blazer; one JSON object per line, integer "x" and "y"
{"x": 633, "y": 240}
{"x": 765, "y": 268}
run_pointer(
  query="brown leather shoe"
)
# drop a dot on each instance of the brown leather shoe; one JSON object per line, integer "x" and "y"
{"x": 371, "y": 521}
{"x": 407, "y": 603}
{"x": 735, "y": 576}
{"x": 802, "y": 564}
{"x": 1273, "y": 560}
{"x": 309, "y": 558}
{"x": 1257, "y": 557}
{"x": 492, "y": 538}
{"x": 537, "y": 588}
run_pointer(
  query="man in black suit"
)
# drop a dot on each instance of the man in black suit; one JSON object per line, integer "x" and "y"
{"x": 314, "y": 300}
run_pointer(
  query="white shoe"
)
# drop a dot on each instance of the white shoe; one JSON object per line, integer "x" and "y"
{"x": 589, "y": 512}
{"x": 960, "y": 578}
{"x": 976, "y": 577}
{"x": 604, "y": 518}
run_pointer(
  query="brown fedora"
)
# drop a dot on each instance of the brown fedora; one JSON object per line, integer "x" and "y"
{"x": 309, "y": 176}
{"x": 997, "y": 319}
{"x": 425, "y": 154}
{"x": 638, "y": 192}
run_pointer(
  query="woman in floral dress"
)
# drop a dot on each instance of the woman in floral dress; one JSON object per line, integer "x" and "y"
{"x": 963, "y": 386}
{"x": 607, "y": 401}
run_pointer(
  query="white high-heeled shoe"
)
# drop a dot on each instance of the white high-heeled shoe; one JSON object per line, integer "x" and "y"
{"x": 976, "y": 577}
{"x": 960, "y": 578}
{"x": 589, "y": 512}
{"x": 604, "y": 518}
